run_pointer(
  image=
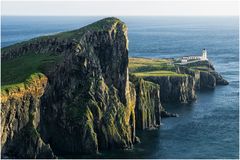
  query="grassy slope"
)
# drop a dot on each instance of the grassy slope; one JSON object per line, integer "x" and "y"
{"x": 101, "y": 25}
{"x": 152, "y": 67}
{"x": 16, "y": 71}
{"x": 20, "y": 86}
{"x": 19, "y": 69}
{"x": 158, "y": 74}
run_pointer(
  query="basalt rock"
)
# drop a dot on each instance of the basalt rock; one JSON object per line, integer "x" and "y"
{"x": 194, "y": 73}
{"x": 207, "y": 80}
{"x": 89, "y": 103}
{"x": 200, "y": 63}
{"x": 219, "y": 79}
{"x": 165, "y": 114}
{"x": 43, "y": 45}
{"x": 20, "y": 113}
{"x": 148, "y": 105}
{"x": 175, "y": 88}
{"x": 204, "y": 77}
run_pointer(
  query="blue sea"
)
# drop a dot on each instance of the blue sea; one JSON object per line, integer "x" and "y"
{"x": 207, "y": 128}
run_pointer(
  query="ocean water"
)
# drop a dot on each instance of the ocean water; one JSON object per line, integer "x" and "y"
{"x": 207, "y": 128}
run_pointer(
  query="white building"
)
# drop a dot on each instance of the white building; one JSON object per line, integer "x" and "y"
{"x": 204, "y": 55}
{"x": 200, "y": 58}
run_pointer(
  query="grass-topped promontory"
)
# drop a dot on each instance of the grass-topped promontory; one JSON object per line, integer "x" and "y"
{"x": 20, "y": 67}
{"x": 101, "y": 25}
{"x": 143, "y": 67}
{"x": 18, "y": 70}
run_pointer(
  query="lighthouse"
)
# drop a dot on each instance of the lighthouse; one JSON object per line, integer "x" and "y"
{"x": 204, "y": 55}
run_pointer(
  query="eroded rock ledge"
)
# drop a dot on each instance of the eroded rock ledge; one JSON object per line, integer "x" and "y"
{"x": 174, "y": 88}
{"x": 148, "y": 105}
{"x": 204, "y": 76}
{"x": 20, "y": 116}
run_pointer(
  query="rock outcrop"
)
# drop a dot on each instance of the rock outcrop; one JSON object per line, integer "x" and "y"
{"x": 207, "y": 80}
{"x": 194, "y": 73}
{"x": 148, "y": 106}
{"x": 89, "y": 104}
{"x": 165, "y": 114}
{"x": 20, "y": 115}
{"x": 205, "y": 77}
{"x": 211, "y": 79}
{"x": 200, "y": 63}
{"x": 42, "y": 45}
{"x": 175, "y": 88}
{"x": 219, "y": 79}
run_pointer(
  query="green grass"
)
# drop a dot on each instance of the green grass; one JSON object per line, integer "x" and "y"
{"x": 146, "y": 65}
{"x": 158, "y": 74}
{"x": 20, "y": 86}
{"x": 142, "y": 67}
{"x": 19, "y": 69}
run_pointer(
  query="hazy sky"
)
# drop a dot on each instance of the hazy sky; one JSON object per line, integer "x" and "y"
{"x": 122, "y": 8}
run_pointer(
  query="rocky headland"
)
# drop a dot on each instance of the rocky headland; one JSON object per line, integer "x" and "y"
{"x": 77, "y": 92}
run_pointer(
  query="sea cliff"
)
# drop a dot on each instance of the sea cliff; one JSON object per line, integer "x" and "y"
{"x": 86, "y": 103}
{"x": 175, "y": 88}
{"x": 148, "y": 105}
{"x": 20, "y": 119}
{"x": 204, "y": 74}
{"x": 178, "y": 83}
{"x": 74, "y": 94}
{"x": 89, "y": 100}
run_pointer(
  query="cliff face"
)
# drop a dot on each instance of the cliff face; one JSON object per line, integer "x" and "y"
{"x": 89, "y": 104}
{"x": 48, "y": 44}
{"x": 84, "y": 104}
{"x": 211, "y": 79}
{"x": 148, "y": 105}
{"x": 207, "y": 80}
{"x": 20, "y": 113}
{"x": 194, "y": 73}
{"x": 175, "y": 88}
{"x": 219, "y": 79}
{"x": 205, "y": 77}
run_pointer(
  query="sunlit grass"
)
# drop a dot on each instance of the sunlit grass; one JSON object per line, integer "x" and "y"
{"x": 158, "y": 74}
{"x": 17, "y": 70}
{"x": 143, "y": 67}
{"x": 146, "y": 64}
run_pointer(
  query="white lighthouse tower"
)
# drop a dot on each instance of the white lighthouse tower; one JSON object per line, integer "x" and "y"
{"x": 204, "y": 55}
